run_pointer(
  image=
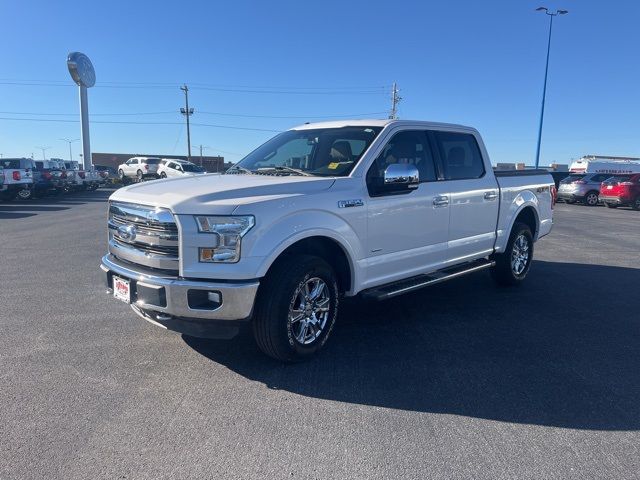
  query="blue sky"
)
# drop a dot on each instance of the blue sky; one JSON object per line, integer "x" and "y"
{"x": 469, "y": 62}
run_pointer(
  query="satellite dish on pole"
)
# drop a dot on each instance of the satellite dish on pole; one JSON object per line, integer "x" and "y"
{"x": 83, "y": 74}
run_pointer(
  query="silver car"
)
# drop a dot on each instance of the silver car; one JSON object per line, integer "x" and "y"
{"x": 139, "y": 168}
{"x": 582, "y": 187}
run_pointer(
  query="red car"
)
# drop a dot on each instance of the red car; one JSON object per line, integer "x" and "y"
{"x": 621, "y": 190}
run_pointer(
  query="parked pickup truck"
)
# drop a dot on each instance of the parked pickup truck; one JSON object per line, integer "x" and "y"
{"x": 18, "y": 178}
{"x": 374, "y": 208}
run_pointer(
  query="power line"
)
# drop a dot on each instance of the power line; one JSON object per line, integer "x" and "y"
{"x": 228, "y": 89}
{"x": 239, "y": 115}
{"x": 117, "y": 122}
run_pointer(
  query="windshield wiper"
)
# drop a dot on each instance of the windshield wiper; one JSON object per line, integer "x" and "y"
{"x": 297, "y": 171}
{"x": 238, "y": 169}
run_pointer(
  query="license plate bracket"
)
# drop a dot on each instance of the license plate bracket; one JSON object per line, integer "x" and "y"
{"x": 122, "y": 289}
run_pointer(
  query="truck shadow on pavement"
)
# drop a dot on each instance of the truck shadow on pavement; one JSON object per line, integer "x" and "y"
{"x": 529, "y": 355}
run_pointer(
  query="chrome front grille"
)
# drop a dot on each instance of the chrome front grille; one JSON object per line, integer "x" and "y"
{"x": 144, "y": 235}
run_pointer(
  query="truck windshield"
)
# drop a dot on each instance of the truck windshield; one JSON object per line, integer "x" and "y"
{"x": 327, "y": 152}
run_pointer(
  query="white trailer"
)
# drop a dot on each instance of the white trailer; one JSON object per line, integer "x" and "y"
{"x": 602, "y": 164}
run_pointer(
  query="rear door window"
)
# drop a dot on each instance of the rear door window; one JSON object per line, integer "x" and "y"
{"x": 460, "y": 154}
{"x": 572, "y": 178}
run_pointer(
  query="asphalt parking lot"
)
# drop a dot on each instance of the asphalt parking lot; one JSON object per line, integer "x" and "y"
{"x": 463, "y": 380}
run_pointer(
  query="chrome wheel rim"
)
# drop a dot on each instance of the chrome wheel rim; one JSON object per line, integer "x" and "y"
{"x": 592, "y": 199}
{"x": 24, "y": 194}
{"x": 520, "y": 254}
{"x": 309, "y": 310}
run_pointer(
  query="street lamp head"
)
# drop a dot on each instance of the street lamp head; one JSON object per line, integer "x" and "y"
{"x": 542, "y": 9}
{"x": 562, "y": 12}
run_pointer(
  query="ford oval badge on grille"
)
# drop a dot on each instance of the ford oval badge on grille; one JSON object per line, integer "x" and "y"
{"x": 126, "y": 233}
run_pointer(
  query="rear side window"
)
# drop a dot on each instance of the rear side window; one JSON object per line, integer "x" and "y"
{"x": 573, "y": 178}
{"x": 152, "y": 161}
{"x": 601, "y": 177}
{"x": 460, "y": 154}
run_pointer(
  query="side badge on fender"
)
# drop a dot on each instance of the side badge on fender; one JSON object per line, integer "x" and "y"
{"x": 350, "y": 203}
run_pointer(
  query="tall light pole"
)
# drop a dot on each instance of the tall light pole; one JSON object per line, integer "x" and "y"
{"x": 546, "y": 72}
{"x": 70, "y": 141}
{"x": 44, "y": 149}
{"x": 186, "y": 111}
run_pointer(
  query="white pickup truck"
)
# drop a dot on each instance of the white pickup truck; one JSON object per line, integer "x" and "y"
{"x": 375, "y": 208}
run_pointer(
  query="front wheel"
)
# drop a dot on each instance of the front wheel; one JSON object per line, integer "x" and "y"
{"x": 296, "y": 308}
{"x": 636, "y": 203}
{"x": 122, "y": 176}
{"x": 163, "y": 175}
{"x": 139, "y": 175}
{"x": 591, "y": 199}
{"x": 513, "y": 264}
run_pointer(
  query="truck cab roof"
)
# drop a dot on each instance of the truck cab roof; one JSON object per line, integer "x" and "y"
{"x": 380, "y": 123}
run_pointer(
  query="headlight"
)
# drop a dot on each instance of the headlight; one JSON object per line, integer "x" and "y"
{"x": 227, "y": 233}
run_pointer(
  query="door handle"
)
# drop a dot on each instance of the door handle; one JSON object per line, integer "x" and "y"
{"x": 491, "y": 195}
{"x": 441, "y": 201}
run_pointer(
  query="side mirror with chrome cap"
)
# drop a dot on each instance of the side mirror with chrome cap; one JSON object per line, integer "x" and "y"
{"x": 402, "y": 175}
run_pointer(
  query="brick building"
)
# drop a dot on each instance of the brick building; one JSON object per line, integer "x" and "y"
{"x": 210, "y": 164}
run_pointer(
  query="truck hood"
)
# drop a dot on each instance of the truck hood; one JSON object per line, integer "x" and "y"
{"x": 218, "y": 194}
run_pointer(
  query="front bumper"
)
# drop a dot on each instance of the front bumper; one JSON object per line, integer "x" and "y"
{"x": 185, "y": 305}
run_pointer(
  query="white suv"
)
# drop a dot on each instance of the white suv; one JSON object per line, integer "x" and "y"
{"x": 139, "y": 168}
{"x": 171, "y": 167}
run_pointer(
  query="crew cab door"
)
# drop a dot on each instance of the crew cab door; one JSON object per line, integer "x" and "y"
{"x": 473, "y": 194}
{"x": 406, "y": 231}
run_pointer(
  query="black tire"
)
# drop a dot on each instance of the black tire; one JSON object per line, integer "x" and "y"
{"x": 610, "y": 205}
{"x": 636, "y": 203}
{"x": 139, "y": 175}
{"x": 591, "y": 199}
{"x": 504, "y": 272}
{"x": 122, "y": 176}
{"x": 163, "y": 175}
{"x": 273, "y": 329}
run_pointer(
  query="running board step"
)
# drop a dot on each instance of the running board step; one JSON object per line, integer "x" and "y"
{"x": 391, "y": 290}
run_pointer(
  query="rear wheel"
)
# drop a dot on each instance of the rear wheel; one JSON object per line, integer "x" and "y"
{"x": 139, "y": 175}
{"x": 25, "y": 194}
{"x": 636, "y": 203}
{"x": 296, "y": 308}
{"x": 163, "y": 175}
{"x": 570, "y": 202}
{"x": 513, "y": 264}
{"x": 591, "y": 199}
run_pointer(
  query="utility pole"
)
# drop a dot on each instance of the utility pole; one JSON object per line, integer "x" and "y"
{"x": 395, "y": 100}
{"x": 546, "y": 72}
{"x": 43, "y": 150}
{"x": 202, "y": 147}
{"x": 70, "y": 141}
{"x": 187, "y": 112}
